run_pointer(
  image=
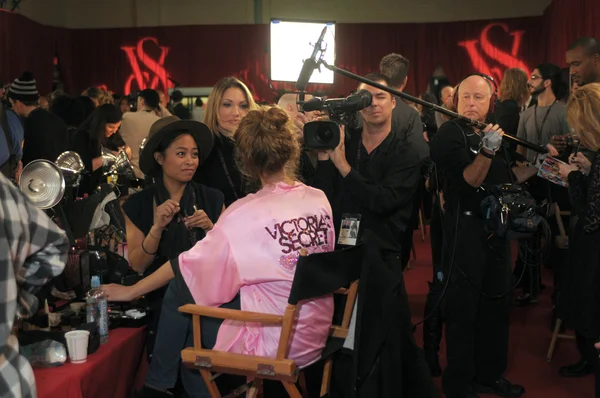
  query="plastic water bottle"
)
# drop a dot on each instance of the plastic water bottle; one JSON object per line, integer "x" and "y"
{"x": 97, "y": 308}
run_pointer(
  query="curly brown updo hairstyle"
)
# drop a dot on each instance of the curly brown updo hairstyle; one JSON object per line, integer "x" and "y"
{"x": 265, "y": 144}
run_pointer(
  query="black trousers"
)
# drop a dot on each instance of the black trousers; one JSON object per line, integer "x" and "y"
{"x": 588, "y": 352}
{"x": 476, "y": 304}
{"x": 407, "y": 239}
{"x": 432, "y": 326}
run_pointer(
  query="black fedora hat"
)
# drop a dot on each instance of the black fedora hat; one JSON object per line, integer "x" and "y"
{"x": 167, "y": 128}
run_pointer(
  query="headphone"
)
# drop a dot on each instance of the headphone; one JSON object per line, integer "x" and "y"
{"x": 492, "y": 84}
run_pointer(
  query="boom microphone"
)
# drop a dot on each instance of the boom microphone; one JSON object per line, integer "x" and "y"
{"x": 313, "y": 104}
{"x": 436, "y": 108}
{"x": 310, "y": 64}
{"x": 352, "y": 103}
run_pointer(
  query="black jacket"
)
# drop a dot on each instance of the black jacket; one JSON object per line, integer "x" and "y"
{"x": 387, "y": 361}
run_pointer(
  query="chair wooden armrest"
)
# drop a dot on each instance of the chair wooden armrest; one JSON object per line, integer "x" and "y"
{"x": 239, "y": 364}
{"x": 338, "y": 331}
{"x": 236, "y": 315}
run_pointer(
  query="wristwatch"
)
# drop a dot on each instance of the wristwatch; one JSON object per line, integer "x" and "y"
{"x": 485, "y": 154}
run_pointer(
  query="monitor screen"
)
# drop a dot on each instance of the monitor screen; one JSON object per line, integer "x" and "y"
{"x": 293, "y": 42}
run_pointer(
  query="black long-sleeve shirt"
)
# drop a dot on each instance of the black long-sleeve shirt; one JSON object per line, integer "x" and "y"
{"x": 45, "y": 136}
{"x": 380, "y": 187}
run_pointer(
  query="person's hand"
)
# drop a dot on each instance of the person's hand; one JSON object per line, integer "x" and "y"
{"x": 492, "y": 137}
{"x": 322, "y": 155}
{"x": 299, "y": 119}
{"x": 552, "y": 151}
{"x": 18, "y": 171}
{"x": 522, "y": 164}
{"x": 338, "y": 155}
{"x": 165, "y": 213}
{"x": 559, "y": 142}
{"x": 116, "y": 292}
{"x": 199, "y": 220}
{"x": 565, "y": 169}
{"x": 425, "y": 136}
{"x": 127, "y": 150}
{"x": 581, "y": 161}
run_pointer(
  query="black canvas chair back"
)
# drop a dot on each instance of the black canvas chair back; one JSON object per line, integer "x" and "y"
{"x": 321, "y": 274}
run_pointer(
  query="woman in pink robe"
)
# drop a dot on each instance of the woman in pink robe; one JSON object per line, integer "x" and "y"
{"x": 251, "y": 251}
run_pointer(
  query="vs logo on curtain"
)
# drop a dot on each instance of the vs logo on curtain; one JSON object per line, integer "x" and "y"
{"x": 480, "y": 48}
{"x": 153, "y": 74}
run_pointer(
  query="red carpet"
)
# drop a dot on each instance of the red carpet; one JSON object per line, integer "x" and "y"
{"x": 529, "y": 338}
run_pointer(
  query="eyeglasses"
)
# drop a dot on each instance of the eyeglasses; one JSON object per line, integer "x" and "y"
{"x": 534, "y": 77}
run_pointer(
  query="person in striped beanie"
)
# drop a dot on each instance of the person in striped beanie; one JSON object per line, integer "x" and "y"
{"x": 24, "y": 89}
{"x": 45, "y": 134}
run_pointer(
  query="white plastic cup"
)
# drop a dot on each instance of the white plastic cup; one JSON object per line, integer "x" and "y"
{"x": 77, "y": 343}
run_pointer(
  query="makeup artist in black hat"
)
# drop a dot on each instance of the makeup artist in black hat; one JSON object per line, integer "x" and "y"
{"x": 171, "y": 215}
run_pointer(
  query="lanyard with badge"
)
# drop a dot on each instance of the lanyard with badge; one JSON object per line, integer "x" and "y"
{"x": 541, "y": 128}
{"x": 539, "y": 159}
{"x": 351, "y": 221}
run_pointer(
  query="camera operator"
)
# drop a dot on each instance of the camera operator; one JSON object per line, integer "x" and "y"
{"x": 370, "y": 179}
{"x": 372, "y": 175}
{"x": 479, "y": 290}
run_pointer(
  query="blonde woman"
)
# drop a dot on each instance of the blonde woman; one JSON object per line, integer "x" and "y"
{"x": 582, "y": 293}
{"x": 512, "y": 96}
{"x": 227, "y": 105}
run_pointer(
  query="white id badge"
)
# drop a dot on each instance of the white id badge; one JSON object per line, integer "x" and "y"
{"x": 349, "y": 229}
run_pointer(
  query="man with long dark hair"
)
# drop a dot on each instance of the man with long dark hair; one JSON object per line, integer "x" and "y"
{"x": 547, "y": 118}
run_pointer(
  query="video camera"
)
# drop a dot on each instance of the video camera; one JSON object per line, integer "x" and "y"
{"x": 325, "y": 134}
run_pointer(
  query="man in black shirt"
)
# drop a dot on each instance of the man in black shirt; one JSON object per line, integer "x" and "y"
{"x": 407, "y": 125}
{"x": 45, "y": 134}
{"x": 180, "y": 110}
{"x": 406, "y": 121}
{"x": 479, "y": 290}
{"x": 370, "y": 180}
{"x": 372, "y": 176}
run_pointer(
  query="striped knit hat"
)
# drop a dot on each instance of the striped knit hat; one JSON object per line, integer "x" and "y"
{"x": 23, "y": 88}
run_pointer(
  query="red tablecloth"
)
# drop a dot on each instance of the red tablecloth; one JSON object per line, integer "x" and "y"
{"x": 110, "y": 372}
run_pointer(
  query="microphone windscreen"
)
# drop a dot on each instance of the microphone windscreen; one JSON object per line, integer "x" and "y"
{"x": 314, "y": 104}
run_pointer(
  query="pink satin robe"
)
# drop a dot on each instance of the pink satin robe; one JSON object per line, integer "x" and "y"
{"x": 253, "y": 249}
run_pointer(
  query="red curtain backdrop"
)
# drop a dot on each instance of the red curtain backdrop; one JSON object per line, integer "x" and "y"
{"x": 25, "y": 45}
{"x": 125, "y": 59}
{"x": 565, "y": 21}
{"x": 198, "y": 56}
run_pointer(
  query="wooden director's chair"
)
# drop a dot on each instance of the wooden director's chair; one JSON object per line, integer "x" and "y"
{"x": 562, "y": 242}
{"x": 316, "y": 275}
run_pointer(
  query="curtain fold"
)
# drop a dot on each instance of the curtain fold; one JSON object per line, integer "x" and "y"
{"x": 564, "y": 21}
{"x": 26, "y": 45}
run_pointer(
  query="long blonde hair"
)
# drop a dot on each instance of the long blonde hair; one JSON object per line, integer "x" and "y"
{"x": 583, "y": 115}
{"x": 514, "y": 86}
{"x": 211, "y": 115}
